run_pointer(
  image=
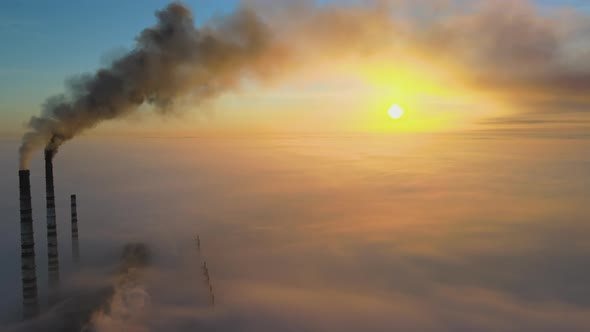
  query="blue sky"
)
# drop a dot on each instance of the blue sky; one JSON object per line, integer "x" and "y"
{"x": 48, "y": 41}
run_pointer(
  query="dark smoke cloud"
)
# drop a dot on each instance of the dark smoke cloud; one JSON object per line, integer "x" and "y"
{"x": 170, "y": 59}
{"x": 535, "y": 60}
{"x": 513, "y": 43}
{"x": 510, "y": 49}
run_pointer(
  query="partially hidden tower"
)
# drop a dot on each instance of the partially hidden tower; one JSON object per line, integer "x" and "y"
{"x": 75, "y": 243}
{"x": 52, "y": 252}
{"x": 27, "y": 238}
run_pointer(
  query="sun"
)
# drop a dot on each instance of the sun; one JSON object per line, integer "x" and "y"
{"x": 395, "y": 111}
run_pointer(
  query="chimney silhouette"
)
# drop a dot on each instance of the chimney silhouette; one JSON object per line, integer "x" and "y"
{"x": 75, "y": 244}
{"x": 27, "y": 243}
{"x": 52, "y": 253}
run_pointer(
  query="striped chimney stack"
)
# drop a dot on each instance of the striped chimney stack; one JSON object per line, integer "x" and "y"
{"x": 52, "y": 253}
{"x": 75, "y": 244}
{"x": 28, "y": 268}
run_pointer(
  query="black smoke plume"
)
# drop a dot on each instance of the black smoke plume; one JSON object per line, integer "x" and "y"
{"x": 513, "y": 50}
{"x": 171, "y": 59}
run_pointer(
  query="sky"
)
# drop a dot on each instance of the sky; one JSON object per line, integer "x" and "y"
{"x": 264, "y": 130}
{"x": 51, "y": 41}
{"x": 440, "y": 87}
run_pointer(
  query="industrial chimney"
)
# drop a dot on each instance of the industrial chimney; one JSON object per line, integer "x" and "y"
{"x": 52, "y": 253}
{"x": 27, "y": 240}
{"x": 75, "y": 244}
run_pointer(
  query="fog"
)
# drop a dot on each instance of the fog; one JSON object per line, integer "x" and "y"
{"x": 484, "y": 232}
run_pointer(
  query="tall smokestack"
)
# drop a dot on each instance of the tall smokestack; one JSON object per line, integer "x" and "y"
{"x": 27, "y": 240}
{"x": 52, "y": 253}
{"x": 75, "y": 244}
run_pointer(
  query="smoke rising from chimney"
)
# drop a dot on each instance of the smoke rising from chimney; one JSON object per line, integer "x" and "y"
{"x": 171, "y": 59}
{"x": 527, "y": 59}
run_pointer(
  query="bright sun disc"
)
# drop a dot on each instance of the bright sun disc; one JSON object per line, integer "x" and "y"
{"x": 395, "y": 111}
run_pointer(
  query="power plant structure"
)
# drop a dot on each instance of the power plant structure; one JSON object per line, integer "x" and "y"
{"x": 75, "y": 244}
{"x": 206, "y": 276}
{"x": 30, "y": 293}
{"x": 135, "y": 256}
{"x": 52, "y": 251}
{"x": 208, "y": 284}
{"x": 28, "y": 267}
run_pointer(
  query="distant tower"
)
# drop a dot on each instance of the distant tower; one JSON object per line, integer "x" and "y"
{"x": 52, "y": 253}
{"x": 207, "y": 277}
{"x": 27, "y": 238}
{"x": 75, "y": 244}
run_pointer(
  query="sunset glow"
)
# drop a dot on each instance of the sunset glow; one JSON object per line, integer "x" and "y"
{"x": 295, "y": 165}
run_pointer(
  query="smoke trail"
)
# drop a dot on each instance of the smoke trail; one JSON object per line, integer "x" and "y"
{"x": 513, "y": 48}
{"x": 171, "y": 59}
